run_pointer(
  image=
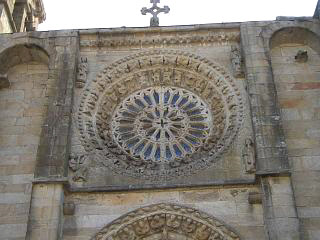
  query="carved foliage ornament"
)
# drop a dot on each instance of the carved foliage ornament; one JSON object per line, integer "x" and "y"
{"x": 159, "y": 115}
{"x": 166, "y": 222}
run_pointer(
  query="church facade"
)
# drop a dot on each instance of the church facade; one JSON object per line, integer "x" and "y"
{"x": 200, "y": 132}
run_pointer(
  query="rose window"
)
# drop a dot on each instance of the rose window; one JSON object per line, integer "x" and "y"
{"x": 161, "y": 124}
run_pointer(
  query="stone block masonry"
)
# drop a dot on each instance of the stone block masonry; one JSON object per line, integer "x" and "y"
{"x": 187, "y": 132}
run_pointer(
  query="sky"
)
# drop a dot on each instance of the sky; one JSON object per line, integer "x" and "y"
{"x": 83, "y": 14}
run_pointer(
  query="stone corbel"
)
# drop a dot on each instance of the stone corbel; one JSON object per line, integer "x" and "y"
{"x": 4, "y": 82}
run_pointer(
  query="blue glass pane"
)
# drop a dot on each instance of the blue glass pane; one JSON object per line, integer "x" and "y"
{"x": 175, "y": 99}
{"x": 193, "y": 141}
{"x": 198, "y": 126}
{"x": 147, "y": 99}
{"x": 168, "y": 153}
{"x": 148, "y": 152}
{"x": 157, "y": 154}
{"x": 139, "y": 103}
{"x": 133, "y": 108}
{"x": 194, "y": 112}
{"x": 190, "y": 106}
{"x": 139, "y": 148}
{"x": 177, "y": 151}
{"x": 197, "y": 133}
{"x": 133, "y": 142}
{"x": 166, "y": 97}
{"x": 186, "y": 147}
{"x": 158, "y": 135}
{"x": 183, "y": 101}
{"x": 156, "y": 97}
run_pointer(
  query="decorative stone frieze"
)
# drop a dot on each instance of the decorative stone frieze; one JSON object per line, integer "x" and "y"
{"x": 208, "y": 38}
{"x": 159, "y": 115}
{"x": 166, "y": 222}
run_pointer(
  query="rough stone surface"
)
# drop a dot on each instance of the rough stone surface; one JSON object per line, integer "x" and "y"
{"x": 88, "y": 116}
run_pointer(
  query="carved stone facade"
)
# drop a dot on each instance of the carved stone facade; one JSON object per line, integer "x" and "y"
{"x": 123, "y": 111}
{"x": 204, "y": 132}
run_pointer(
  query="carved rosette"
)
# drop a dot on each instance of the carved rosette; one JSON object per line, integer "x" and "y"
{"x": 166, "y": 222}
{"x": 159, "y": 115}
{"x": 161, "y": 124}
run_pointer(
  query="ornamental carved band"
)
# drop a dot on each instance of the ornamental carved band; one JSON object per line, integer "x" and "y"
{"x": 159, "y": 115}
{"x": 166, "y": 222}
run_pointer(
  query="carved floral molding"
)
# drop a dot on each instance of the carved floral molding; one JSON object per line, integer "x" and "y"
{"x": 166, "y": 222}
{"x": 130, "y": 40}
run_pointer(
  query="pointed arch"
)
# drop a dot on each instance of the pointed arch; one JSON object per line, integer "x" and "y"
{"x": 166, "y": 222}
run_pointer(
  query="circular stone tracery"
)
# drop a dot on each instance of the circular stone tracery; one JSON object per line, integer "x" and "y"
{"x": 161, "y": 124}
{"x": 100, "y": 115}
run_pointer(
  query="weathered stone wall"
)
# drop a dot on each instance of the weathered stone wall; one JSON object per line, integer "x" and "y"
{"x": 39, "y": 130}
{"x": 94, "y": 211}
{"x": 23, "y": 108}
{"x": 298, "y": 88}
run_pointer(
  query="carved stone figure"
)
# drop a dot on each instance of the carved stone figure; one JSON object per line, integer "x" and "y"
{"x": 248, "y": 155}
{"x": 77, "y": 165}
{"x": 237, "y": 62}
{"x": 155, "y": 222}
{"x": 82, "y": 72}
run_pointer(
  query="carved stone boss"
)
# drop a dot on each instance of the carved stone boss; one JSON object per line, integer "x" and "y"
{"x": 166, "y": 222}
{"x": 159, "y": 115}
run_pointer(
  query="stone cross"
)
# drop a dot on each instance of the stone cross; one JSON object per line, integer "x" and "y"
{"x": 155, "y": 10}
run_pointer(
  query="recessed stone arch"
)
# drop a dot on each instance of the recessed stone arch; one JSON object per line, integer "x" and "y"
{"x": 298, "y": 35}
{"x": 166, "y": 222}
{"x": 274, "y": 34}
{"x": 19, "y": 54}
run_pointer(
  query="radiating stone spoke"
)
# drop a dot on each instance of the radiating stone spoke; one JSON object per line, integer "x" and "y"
{"x": 162, "y": 124}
